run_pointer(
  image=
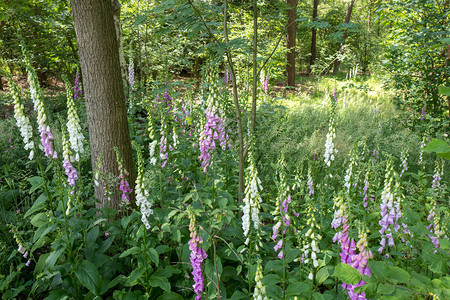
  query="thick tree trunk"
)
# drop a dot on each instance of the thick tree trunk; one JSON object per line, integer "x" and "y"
{"x": 118, "y": 26}
{"x": 103, "y": 91}
{"x": 290, "y": 42}
{"x": 337, "y": 62}
{"x": 312, "y": 58}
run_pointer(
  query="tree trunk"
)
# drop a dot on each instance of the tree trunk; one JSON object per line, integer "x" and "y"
{"x": 116, "y": 15}
{"x": 103, "y": 91}
{"x": 312, "y": 58}
{"x": 290, "y": 42}
{"x": 337, "y": 62}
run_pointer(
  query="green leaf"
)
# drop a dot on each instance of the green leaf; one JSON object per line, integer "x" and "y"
{"x": 89, "y": 276}
{"x": 347, "y": 274}
{"x": 41, "y": 263}
{"x": 60, "y": 294}
{"x": 39, "y": 220}
{"x": 322, "y": 275}
{"x": 437, "y": 146}
{"x": 131, "y": 251}
{"x": 237, "y": 295}
{"x": 162, "y": 282}
{"x": 53, "y": 257}
{"x": 385, "y": 289}
{"x": 444, "y": 90}
{"x": 36, "y": 182}
{"x": 297, "y": 289}
{"x": 445, "y": 155}
{"x": 378, "y": 268}
{"x": 92, "y": 235}
{"x": 170, "y": 296}
{"x": 43, "y": 231}
{"x": 134, "y": 276}
{"x": 444, "y": 243}
{"x": 154, "y": 256}
{"x": 291, "y": 254}
{"x": 398, "y": 274}
{"x": 37, "y": 205}
{"x": 222, "y": 202}
{"x": 271, "y": 279}
{"x": 119, "y": 279}
{"x": 106, "y": 244}
{"x": 437, "y": 265}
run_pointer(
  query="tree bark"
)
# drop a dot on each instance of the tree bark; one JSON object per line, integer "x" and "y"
{"x": 312, "y": 58}
{"x": 103, "y": 90}
{"x": 118, "y": 26}
{"x": 290, "y": 42}
{"x": 337, "y": 62}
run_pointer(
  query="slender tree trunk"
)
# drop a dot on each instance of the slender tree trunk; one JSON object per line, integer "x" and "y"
{"x": 337, "y": 62}
{"x": 290, "y": 42}
{"x": 103, "y": 91}
{"x": 312, "y": 58}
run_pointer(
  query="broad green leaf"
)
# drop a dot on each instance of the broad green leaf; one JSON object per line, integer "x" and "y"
{"x": 378, "y": 268}
{"x": 347, "y": 274}
{"x": 271, "y": 279}
{"x": 437, "y": 265}
{"x": 237, "y": 295}
{"x": 422, "y": 278}
{"x": 322, "y": 275}
{"x": 291, "y": 254}
{"x": 43, "y": 231}
{"x": 92, "y": 235}
{"x": 297, "y": 289}
{"x": 41, "y": 263}
{"x": 134, "y": 276}
{"x": 89, "y": 276}
{"x": 274, "y": 266}
{"x": 131, "y": 251}
{"x": 222, "y": 202}
{"x": 106, "y": 244}
{"x": 170, "y": 296}
{"x": 36, "y": 182}
{"x": 60, "y": 294}
{"x": 385, "y": 289}
{"x": 444, "y": 90}
{"x": 39, "y": 220}
{"x": 398, "y": 274}
{"x": 53, "y": 257}
{"x": 162, "y": 282}
{"x": 437, "y": 146}
{"x": 37, "y": 205}
{"x": 119, "y": 279}
{"x": 154, "y": 256}
{"x": 444, "y": 243}
{"x": 445, "y": 155}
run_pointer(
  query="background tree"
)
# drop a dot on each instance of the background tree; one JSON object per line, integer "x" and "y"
{"x": 291, "y": 41}
{"x": 103, "y": 88}
{"x": 313, "y": 36}
{"x": 348, "y": 15}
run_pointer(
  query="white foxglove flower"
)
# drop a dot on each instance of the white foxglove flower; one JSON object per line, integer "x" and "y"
{"x": 22, "y": 121}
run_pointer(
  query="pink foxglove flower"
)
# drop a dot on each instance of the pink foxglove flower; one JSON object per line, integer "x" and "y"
{"x": 198, "y": 255}
{"x": 38, "y": 101}
{"x": 214, "y": 131}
